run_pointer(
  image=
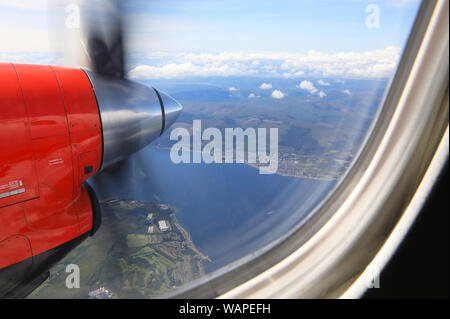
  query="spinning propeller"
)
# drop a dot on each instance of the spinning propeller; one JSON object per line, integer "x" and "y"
{"x": 132, "y": 114}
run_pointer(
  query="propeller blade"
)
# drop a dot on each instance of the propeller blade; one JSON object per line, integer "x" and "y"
{"x": 90, "y": 34}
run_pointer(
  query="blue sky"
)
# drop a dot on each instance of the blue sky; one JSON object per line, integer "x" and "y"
{"x": 171, "y": 38}
{"x": 236, "y": 25}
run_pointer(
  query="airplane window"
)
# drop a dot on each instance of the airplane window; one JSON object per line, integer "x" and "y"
{"x": 277, "y": 98}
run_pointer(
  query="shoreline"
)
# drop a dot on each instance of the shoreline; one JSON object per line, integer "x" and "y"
{"x": 257, "y": 167}
{"x": 187, "y": 237}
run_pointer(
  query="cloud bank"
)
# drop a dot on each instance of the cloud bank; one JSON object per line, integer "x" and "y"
{"x": 371, "y": 64}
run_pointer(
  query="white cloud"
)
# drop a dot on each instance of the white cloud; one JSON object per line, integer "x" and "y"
{"x": 278, "y": 94}
{"x": 253, "y": 96}
{"x": 323, "y": 83}
{"x": 370, "y": 64}
{"x": 233, "y": 89}
{"x": 347, "y": 92}
{"x": 266, "y": 86}
{"x": 308, "y": 86}
{"x": 184, "y": 70}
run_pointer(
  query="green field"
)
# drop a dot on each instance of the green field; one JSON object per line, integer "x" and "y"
{"x": 122, "y": 258}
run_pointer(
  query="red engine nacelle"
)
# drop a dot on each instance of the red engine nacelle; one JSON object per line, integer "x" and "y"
{"x": 50, "y": 143}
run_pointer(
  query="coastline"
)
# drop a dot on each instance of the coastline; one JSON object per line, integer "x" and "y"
{"x": 187, "y": 237}
{"x": 280, "y": 173}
